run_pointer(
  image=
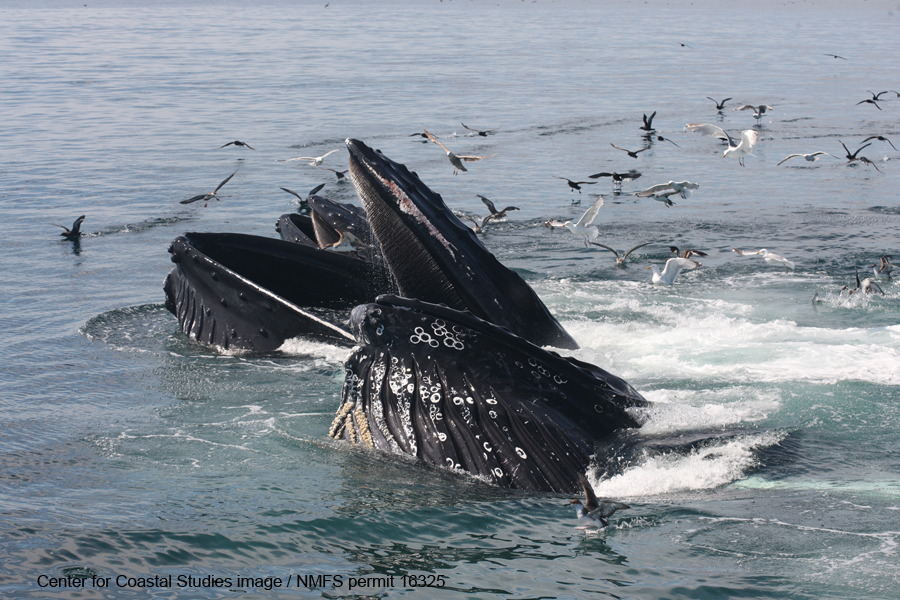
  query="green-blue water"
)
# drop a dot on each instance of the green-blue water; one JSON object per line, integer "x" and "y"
{"x": 126, "y": 450}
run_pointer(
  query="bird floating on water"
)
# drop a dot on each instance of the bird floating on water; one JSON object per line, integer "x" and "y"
{"x": 769, "y": 257}
{"x": 495, "y": 214}
{"x": 212, "y": 194}
{"x": 885, "y": 269}
{"x": 748, "y": 139}
{"x": 687, "y": 253}
{"x": 237, "y": 143}
{"x": 683, "y": 188}
{"x": 75, "y": 232}
{"x": 620, "y": 260}
{"x": 632, "y": 154}
{"x": 575, "y": 185}
{"x": 594, "y": 513}
{"x": 456, "y": 159}
{"x": 720, "y": 105}
{"x": 866, "y": 286}
{"x": 811, "y": 157}
{"x": 673, "y": 267}
{"x": 481, "y": 132}
{"x": 585, "y": 225}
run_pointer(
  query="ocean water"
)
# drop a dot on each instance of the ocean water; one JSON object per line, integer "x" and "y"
{"x": 128, "y": 452}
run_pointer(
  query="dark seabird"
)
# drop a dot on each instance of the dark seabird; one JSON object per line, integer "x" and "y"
{"x": 866, "y": 161}
{"x": 869, "y": 101}
{"x": 236, "y": 143}
{"x": 720, "y": 105}
{"x": 880, "y": 138}
{"x": 482, "y": 133}
{"x": 632, "y": 154}
{"x": 211, "y": 195}
{"x": 576, "y": 185}
{"x": 304, "y": 203}
{"x": 620, "y": 260}
{"x": 660, "y": 138}
{"x": 455, "y": 159}
{"x": 648, "y": 122}
{"x": 878, "y": 95}
{"x": 495, "y": 214}
{"x": 75, "y": 232}
{"x": 852, "y": 156}
{"x": 338, "y": 174}
{"x": 479, "y": 227}
{"x": 617, "y": 178}
{"x": 686, "y": 253}
{"x": 835, "y": 56}
{"x": 594, "y": 513}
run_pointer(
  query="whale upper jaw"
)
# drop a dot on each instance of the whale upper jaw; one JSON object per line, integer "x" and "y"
{"x": 435, "y": 258}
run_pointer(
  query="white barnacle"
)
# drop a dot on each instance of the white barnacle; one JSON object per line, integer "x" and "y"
{"x": 521, "y": 452}
{"x": 488, "y": 447}
{"x": 498, "y": 472}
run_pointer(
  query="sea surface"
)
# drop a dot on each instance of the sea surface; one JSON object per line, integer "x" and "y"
{"x": 134, "y": 457}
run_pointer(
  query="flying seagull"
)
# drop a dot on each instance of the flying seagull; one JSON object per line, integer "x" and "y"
{"x": 455, "y": 159}
{"x": 719, "y": 105}
{"x": 495, "y": 214}
{"x": 812, "y": 157}
{"x": 632, "y": 154}
{"x": 236, "y": 143}
{"x": 481, "y": 132}
{"x": 315, "y": 160}
{"x": 683, "y": 188}
{"x": 75, "y": 232}
{"x": 673, "y": 267}
{"x": 620, "y": 260}
{"x": 758, "y": 111}
{"x": 211, "y": 195}
{"x": 576, "y": 185}
{"x": 585, "y": 225}
{"x": 594, "y": 513}
{"x": 740, "y": 150}
{"x": 769, "y": 257}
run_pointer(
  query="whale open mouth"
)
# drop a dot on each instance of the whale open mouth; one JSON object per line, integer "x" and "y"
{"x": 435, "y": 258}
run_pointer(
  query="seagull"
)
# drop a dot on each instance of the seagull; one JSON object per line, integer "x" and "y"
{"x": 686, "y": 253}
{"x": 304, "y": 204}
{"x": 769, "y": 257}
{"x": 236, "y": 143}
{"x": 75, "y": 232}
{"x": 347, "y": 242}
{"x": 617, "y": 178}
{"x": 455, "y": 159}
{"x": 495, "y": 214}
{"x": 665, "y": 197}
{"x": 835, "y": 56}
{"x": 576, "y": 185}
{"x": 316, "y": 160}
{"x": 633, "y": 154}
{"x": 594, "y": 513}
{"x": 812, "y": 157}
{"x": 660, "y": 138}
{"x": 719, "y": 105}
{"x": 338, "y": 174}
{"x": 585, "y": 225}
{"x": 482, "y": 133}
{"x": 883, "y": 271}
{"x": 620, "y": 260}
{"x": 648, "y": 123}
{"x": 211, "y": 195}
{"x": 740, "y": 150}
{"x": 683, "y": 188}
{"x": 869, "y": 101}
{"x": 672, "y": 269}
{"x": 880, "y": 138}
{"x": 758, "y": 111}
{"x": 866, "y": 286}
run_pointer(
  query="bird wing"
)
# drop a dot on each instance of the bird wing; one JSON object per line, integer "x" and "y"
{"x": 488, "y": 203}
{"x": 746, "y": 107}
{"x": 789, "y": 157}
{"x": 470, "y": 158}
{"x": 196, "y": 198}
{"x": 596, "y": 175}
{"x": 707, "y": 129}
{"x": 434, "y": 139}
{"x": 606, "y": 247}
{"x": 299, "y": 158}
{"x": 227, "y": 179}
{"x": 292, "y": 192}
{"x": 590, "y": 215}
{"x": 635, "y": 248}
{"x": 617, "y": 148}
{"x": 327, "y": 153}
{"x": 654, "y": 190}
{"x": 315, "y": 190}
{"x": 683, "y": 263}
{"x": 589, "y": 496}
{"x": 740, "y": 252}
{"x": 749, "y": 137}
{"x": 607, "y": 508}
{"x": 223, "y": 145}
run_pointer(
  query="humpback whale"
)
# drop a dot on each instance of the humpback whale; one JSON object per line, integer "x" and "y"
{"x": 456, "y": 391}
{"x": 435, "y": 258}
